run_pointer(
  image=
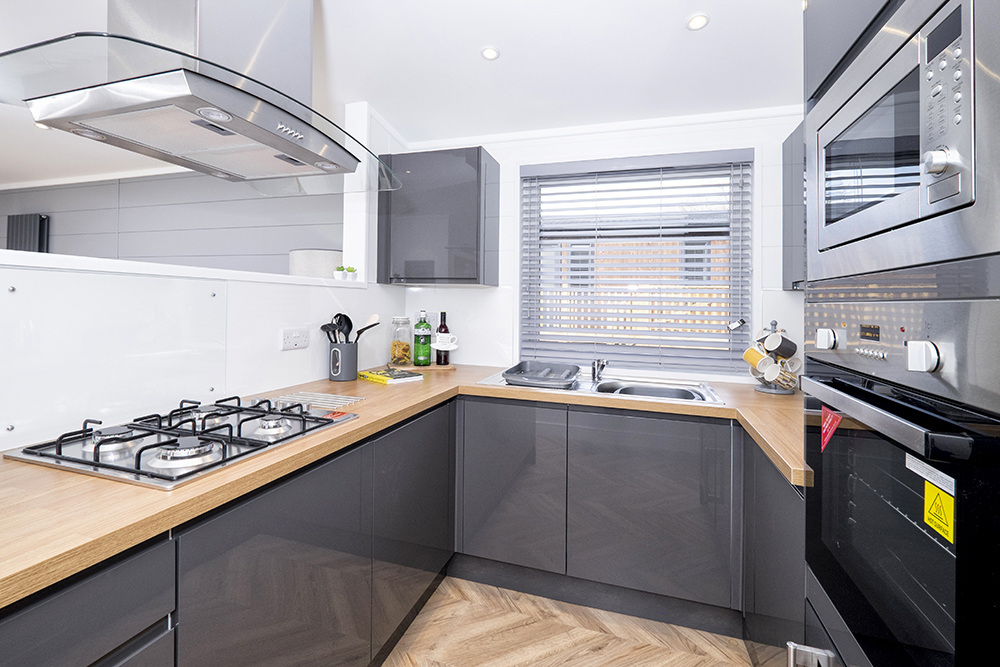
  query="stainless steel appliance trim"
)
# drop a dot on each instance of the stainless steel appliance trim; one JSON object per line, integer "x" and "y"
{"x": 965, "y": 232}
{"x": 910, "y": 435}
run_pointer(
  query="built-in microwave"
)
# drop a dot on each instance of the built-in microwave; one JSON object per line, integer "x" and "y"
{"x": 903, "y": 150}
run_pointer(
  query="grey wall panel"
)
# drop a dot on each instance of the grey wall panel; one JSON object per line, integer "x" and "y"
{"x": 181, "y": 219}
{"x": 60, "y": 198}
{"x": 85, "y": 245}
{"x": 231, "y": 241}
{"x": 320, "y": 209}
{"x": 94, "y": 221}
{"x": 186, "y": 188}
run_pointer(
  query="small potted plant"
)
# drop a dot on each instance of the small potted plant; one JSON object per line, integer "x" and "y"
{"x": 339, "y": 273}
{"x": 352, "y": 273}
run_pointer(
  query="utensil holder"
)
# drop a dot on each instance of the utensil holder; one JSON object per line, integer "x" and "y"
{"x": 343, "y": 365}
{"x": 773, "y": 387}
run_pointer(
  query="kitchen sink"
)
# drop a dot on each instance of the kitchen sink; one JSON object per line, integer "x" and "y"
{"x": 649, "y": 390}
{"x": 646, "y": 388}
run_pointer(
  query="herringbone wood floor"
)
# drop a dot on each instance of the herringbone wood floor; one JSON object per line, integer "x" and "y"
{"x": 466, "y": 624}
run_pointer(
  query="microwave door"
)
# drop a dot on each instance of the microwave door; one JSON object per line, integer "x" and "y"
{"x": 869, "y": 156}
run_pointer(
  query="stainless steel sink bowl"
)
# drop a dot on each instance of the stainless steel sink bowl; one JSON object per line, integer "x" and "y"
{"x": 649, "y": 390}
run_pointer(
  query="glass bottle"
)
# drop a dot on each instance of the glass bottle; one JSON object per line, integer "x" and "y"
{"x": 402, "y": 338}
{"x": 422, "y": 341}
{"x": 442, "y": 355}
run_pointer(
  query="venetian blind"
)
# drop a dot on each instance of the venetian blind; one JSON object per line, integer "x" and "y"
{"x": 643, "y": 267}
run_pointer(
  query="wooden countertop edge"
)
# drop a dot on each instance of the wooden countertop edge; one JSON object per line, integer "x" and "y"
{"x": 194, "y": 500}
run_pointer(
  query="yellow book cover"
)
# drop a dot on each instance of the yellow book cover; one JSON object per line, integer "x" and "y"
{"x": 389, "y": 376}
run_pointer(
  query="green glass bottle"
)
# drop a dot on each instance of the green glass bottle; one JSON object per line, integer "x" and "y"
{"x": 422, "y": 341}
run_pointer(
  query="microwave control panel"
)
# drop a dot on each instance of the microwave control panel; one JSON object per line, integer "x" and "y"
{"x": 946, "y": 133}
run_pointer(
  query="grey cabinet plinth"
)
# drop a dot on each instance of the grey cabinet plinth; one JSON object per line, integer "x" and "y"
{"x": 442, "y": 225}
{"x": 281, "y": 578}
{"x": 515, "y": 483}
{"x": 83, "y": 622}
{"x": 650, "y": 504}
{"x": 774, "y": 534}
{"x": 413, "y": 516}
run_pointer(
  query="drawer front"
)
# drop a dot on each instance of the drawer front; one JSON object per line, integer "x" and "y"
{"x": 89, "y": 618}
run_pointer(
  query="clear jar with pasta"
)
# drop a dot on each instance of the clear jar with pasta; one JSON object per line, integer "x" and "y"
{"x": 401, "y": 349}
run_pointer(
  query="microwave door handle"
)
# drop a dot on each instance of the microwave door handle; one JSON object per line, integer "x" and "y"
{"x": 908, "y": 434}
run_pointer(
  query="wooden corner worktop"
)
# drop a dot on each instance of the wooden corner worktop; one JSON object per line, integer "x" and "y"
{"x": 55, "y": 523}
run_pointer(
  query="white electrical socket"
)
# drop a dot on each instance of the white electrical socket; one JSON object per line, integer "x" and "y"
{"x": 294, "y": 339}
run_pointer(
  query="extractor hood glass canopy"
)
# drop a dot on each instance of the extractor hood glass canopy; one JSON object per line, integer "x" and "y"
{"x": 70, "y": 81}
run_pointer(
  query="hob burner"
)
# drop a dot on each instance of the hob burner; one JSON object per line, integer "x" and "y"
{"x": 208, "y": 415}
{"x": 104, "y": 438}
{"x": 186, "y": 452}
{"x": 272, "y": 425}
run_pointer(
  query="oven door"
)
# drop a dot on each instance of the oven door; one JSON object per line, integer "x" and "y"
{"x": 870, "y": 154}
{"x": 881, "y": 533}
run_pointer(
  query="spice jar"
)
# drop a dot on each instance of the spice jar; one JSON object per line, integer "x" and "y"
{"x": 400, "y": 353}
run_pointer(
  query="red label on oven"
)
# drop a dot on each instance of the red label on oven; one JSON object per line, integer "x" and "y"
{"x": 831, "y": 420}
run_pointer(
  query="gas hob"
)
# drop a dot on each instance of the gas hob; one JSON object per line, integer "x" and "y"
{"x": 163, "y": 451}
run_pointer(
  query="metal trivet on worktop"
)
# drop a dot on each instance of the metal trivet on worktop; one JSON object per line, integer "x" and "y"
{"x": 317, "y": 400}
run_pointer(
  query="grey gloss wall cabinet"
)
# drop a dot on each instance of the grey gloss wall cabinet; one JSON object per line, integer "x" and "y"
{"x": 443, "y": 225}
{"x": 515, "y": 483}
{"x": 774, "y": 538}
{"x": 413, "y": 518}
{"x": 283, "y": 577}
{"x": 122, "y": 605}
{"x": 650, "y": 503}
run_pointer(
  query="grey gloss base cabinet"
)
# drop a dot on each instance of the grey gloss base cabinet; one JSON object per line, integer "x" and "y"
{"x": 774, "y": 552}
{"x": 642, "y": 502}
{"x": 321, "y": 568}
{"x": 514, "y": 483}
{"x": 650, "y": 504}
{"x": 115, "y": 615}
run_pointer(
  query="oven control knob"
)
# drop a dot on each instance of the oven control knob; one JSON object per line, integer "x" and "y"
{"x": 826, "y": 339}
{"x": 922, "y": 356}
{"x": 936, "y": 162}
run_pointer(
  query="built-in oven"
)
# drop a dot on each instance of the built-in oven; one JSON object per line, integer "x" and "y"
{"x": 902, "y": 432}
{"x": 902, "y": 152}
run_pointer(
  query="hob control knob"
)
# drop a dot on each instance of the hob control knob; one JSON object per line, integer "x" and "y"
{"x": 826, "y": 339}
{"x": 936, "y": 162}
{"x": 922, "y": 356}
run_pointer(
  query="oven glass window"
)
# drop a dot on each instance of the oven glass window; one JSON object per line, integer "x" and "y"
{"x": 878, "y": 156}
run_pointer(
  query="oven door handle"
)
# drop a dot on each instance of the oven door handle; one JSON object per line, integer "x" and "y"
{"x": 914, "y": 437}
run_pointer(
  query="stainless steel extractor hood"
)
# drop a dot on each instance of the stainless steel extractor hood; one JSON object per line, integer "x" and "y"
{"x": 194, "y": 83}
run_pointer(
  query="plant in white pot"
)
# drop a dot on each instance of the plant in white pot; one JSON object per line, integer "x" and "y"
{"x": 352, "y": 273}
{"x": 339, "y": 273}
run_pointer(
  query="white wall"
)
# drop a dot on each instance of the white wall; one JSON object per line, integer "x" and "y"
{"x": 486, "y": 319}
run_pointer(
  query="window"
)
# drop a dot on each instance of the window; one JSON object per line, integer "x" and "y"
{"x": 642, "y": 265}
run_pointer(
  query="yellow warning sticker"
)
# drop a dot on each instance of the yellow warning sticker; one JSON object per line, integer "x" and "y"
{"x": 939, "y": 511}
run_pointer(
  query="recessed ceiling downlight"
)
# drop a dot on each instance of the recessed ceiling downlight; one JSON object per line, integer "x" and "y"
{"x": 89, "y": 134}
{"x": 491, "y": 53}
{"x": 42, "y": 126}
{"x": 214, "y": 115}
{"x": 697, "y": 22}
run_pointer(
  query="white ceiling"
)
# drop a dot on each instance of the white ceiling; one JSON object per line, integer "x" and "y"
{"x": 562, "y": 63}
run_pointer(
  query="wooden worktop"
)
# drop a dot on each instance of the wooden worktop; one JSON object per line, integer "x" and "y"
{"x": 55, "y": 523}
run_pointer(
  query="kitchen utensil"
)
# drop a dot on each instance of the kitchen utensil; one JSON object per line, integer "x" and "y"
{"x": 330, "y": 331}
{"x": 346, "y": 327}
{"x": 343, "y": 362}
{"x": 338, "y": 324}
{"x": 372, "y": 321}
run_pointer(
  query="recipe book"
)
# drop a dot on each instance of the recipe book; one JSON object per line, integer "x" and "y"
{"x": 389, "y": 375}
